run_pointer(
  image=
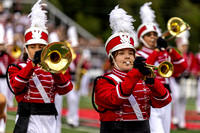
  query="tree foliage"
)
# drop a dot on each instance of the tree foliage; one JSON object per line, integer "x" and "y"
{"x": 94, "y": 15}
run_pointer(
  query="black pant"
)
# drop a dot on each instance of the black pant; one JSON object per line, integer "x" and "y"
{"x": 125, "y": 127}
{"x": 26, "y": 109}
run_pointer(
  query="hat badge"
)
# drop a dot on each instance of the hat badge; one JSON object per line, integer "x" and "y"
{"x": 125, "y": 38}
{"x": 36, "y": 34}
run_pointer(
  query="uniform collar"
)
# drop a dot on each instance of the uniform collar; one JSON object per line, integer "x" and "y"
{"x": 119, "y": 73}
{"x": 147, "y": 50}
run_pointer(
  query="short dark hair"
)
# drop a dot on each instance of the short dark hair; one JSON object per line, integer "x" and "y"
{"x": 25, "y": 57}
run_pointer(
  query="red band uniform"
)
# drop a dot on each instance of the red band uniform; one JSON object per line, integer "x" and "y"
{"x": 35, "y": 88}
{"x": 124, "y": 106}
{"x": 115, "y": 98}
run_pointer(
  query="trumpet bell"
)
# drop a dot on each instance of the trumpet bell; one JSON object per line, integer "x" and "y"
{"x": 56, "y": 57}
{"x": 72, "y": 50}
{"x": 16, "y": 52}
{"x": 176, "y": 26}
{"x": 165, "y": 69}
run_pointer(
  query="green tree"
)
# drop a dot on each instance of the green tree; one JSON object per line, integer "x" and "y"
{"x": 94, "y": 15}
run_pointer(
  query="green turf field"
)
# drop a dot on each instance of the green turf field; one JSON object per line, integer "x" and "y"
{"x": 85, "y": 102}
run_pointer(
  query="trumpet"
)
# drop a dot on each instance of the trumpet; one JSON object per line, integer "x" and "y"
{"x": 56, "y": 57}
{"x": 16, "y": 52}
{"x": 176, "y": 26}
{"x": 72, "y": 50}
{"x": 165, "y": 69}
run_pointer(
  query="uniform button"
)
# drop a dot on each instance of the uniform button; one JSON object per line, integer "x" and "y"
{"x": 120, "y": 113}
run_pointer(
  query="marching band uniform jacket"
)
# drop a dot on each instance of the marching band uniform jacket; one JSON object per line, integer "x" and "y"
{"x": 155, "y": 58}
{"x": 130, "y": 98}
{"x": 35, "y": 91}
{"x": 192, "y": 63}
{"x": 21, "y": 81}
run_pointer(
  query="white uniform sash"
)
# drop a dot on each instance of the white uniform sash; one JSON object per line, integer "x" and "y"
{"x": 131, "y": 99}
{"x": 40, "y": 89}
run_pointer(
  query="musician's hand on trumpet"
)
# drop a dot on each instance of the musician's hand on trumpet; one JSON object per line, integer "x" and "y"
{"x": 162, "y": 44}
{"x": 149, "y": 81}
{"x": 176, "y": 26}
{"x": 37, "y": 58}
{"x": 141, "y": 65}
{"x": 165, "y": 68}
{"x": 54, "y": 58}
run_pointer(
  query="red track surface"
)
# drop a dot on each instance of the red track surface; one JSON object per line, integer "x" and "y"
{"x": 89, "y": 117}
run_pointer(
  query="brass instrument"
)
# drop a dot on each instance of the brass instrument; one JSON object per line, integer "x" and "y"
{"x": 165, "y": 69}
{"x": 72, "y": 50}
{"x": 80, "y": 71}
{"x": 16, "y": 52}
{"x": 56, "y": 57}
{"x": 176, "y": 26}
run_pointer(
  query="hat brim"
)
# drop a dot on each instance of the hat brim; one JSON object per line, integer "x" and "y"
{"x": 121, "y": 46}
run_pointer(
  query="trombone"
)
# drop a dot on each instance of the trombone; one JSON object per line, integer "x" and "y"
{"x": 56, "y": 57}
{"x": 176, "y": 26}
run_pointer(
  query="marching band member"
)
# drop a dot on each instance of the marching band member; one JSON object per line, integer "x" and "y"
{"x": 78, "y": 69}
{"x": 122, "y": 96}
{"x": 72, "y": 116}
{"x": 54, "y": 37}
{"x": 198, "y": 81}
{"x": 35, "y": 88}
{"x": 152, "y": 50}
{"x": 5, "y": 60}
{"x": 181, "y": 83}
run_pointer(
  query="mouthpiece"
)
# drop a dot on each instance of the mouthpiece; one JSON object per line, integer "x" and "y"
{"x": 129, "y": 63}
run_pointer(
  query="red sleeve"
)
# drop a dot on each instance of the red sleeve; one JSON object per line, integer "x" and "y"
{"x": 112, "y": 96}
{"x": 152, "y": 57}
{"x": 198, "y": 64}
{"x": 194, "y": 62}
{"x": 125, "y": 88}
{"x": 19, "y": 78}
{"x": 160, "y": 95}
{"x": 64, "y": 85}
{"x": 106, "y": 95}
{"x": 11, "y": 60}
{"x": 179, "y": 63}
{"x": 67, "y": 73}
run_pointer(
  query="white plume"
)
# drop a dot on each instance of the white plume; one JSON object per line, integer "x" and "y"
{"x": 186, "y": 34}
{"x": 72, "y": 35}
{"x": 120, "y": 21}
{"x": 147, "y": 15}
{"x": 184, "y": 39}
{"x": 38, "y": 16}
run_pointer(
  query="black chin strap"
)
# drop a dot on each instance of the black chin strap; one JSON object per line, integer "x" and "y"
{"x": 8, "y": 80}
{"x": 93, "y": 91}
